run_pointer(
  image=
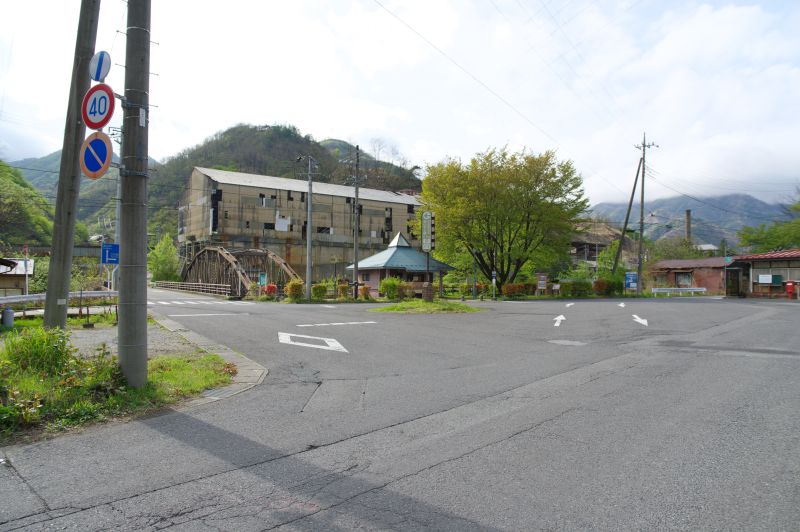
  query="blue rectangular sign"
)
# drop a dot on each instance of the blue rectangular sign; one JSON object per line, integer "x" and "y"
{"x": 109, "y": 254}
{"x": 631, "y": 279}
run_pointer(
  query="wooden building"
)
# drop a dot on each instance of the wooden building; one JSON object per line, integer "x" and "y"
{"x": 237, "y": 210}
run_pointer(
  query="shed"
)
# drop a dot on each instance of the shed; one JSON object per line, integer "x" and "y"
{"x": 399, "y": 260}
{"x": 766, "y": 274}
{"x": 708, "y": 273}
{"x": 13, "y": 274}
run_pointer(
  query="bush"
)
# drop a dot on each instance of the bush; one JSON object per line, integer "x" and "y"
{"x": 295, "y": 289}
{"x": 600, "y": 287}
{"x": 575, "y": 288}
{"x": 319, "y": 291}
{"x": 615, "y": 286}
{"x": 364, "y": 291}
{"x": 392, "y": 288}
{"x": 513, "y": 290}
{"x": 38, "y": 349}
{"x": 343, "y": 291}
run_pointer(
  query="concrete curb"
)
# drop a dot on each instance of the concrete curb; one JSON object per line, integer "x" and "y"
{"x": 249, "y": 373}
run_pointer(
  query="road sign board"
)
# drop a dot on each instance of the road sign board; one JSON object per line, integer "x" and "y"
{"x": 99, "y": 66}
{"x": 426, "y": 231}
{"x": 96, "y": 154}
{"x": 109, "y": 254}
{"x": 631, "y": 279}
{"x": 97, "y": 106}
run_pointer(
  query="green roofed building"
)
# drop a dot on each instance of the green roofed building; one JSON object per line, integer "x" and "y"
{"x": 399, "y": 260}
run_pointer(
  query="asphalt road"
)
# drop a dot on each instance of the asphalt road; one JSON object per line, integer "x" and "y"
{"x": 507, "y": 419}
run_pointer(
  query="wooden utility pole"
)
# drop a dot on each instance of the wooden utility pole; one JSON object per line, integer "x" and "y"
{"x": 643, "y": 147}
{"x": 689, "y": 225}
{"x": 627, "y": 217}
{"x": 69, "y": 175}
{"x": 132, "y": 329}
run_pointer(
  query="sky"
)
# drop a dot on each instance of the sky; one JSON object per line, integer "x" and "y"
{"x": 716, "y": 85}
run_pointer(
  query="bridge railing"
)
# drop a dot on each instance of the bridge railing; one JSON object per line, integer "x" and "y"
{"x": 203, "y": 288}
{"x": 72, "y": 295}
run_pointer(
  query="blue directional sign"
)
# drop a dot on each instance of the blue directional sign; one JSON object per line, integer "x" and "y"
{"x": 96, "y": 154}
{"x": 109, "y": 254}
{"x": 631, "y": 279}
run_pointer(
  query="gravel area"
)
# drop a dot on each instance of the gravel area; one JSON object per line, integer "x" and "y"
{"x": 160, "y": 341}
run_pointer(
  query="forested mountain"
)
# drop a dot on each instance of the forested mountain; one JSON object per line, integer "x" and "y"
{"x": 25, "y": 215}
{"x": 266, "y": 150}
{"x": 713, "y": 218}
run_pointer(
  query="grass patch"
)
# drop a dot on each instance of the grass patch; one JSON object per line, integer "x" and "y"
{"x": 44, "y": 385}
{"x": 418, "y": 306}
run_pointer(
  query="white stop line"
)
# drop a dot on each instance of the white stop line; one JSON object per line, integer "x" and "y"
{"x": 330, "y": 343}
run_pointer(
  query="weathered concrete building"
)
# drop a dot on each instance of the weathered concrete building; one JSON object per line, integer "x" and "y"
{"x": 238, "y": 210}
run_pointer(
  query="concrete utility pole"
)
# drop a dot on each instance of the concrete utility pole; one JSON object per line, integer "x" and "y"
{"x": 356, "y": 229}
{"x": 309, "y": 201}
{"x": 132, "y": 329}
{"x": 627, "y": 217}
{"x": 69, "y": 175}
{"x": 643, "y": 147}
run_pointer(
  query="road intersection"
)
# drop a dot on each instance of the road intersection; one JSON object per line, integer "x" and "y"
{"x": 496, "y": 420}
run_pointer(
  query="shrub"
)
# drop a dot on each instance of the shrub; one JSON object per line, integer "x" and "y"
{"x": 318, "y": 291}
{"x": 513, "y": 289}
{"x": 271, "y": 290}
{"x": 600, "y": 287}
{"x": 295, "y": 289}
{"x": 364, "y": 291}
{"x": 38, "y": 349}
{"x": 343, "y": 291}
{"x": 530, "y": 288}
{"x": 615, "y": 286}
{"x": 392, "y": 288}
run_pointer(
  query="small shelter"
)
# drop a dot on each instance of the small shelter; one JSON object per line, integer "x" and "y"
{"x": 708, "y": 273}
{"x": 14, "y": 274}
{"x": 772, "y": 274}
{"x": 399, "y": 260}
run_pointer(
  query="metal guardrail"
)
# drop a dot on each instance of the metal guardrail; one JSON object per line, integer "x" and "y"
{"x": 203, "y": 288}
{"x": 670, "y": 291}
{"x": 72, "y": 295}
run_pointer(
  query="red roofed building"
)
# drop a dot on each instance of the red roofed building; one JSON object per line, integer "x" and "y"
{"x": 772, "y": 274}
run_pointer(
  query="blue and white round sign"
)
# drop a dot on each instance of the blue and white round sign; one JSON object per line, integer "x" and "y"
{"x": 99, "y": 66}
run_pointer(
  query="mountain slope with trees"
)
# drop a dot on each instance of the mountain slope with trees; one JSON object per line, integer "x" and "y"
{"x": 265, "y": 150}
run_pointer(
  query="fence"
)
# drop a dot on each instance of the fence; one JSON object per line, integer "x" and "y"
{"x": 203, "y": 288}
{"x": 72, "y": 295}
{"x": 670, "y": 291}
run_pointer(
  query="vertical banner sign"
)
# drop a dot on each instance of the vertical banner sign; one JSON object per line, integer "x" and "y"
{"x": 426, "y": 231}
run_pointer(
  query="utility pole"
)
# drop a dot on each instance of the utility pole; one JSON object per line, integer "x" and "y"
{"x": 643, "y": 147}
{"x": 627, "y": 216}
{"x": 69, "y": 175}
{"x": 309, "y": 200}
{"x": 132, "y": 329}
{"x": 356, "y": 235}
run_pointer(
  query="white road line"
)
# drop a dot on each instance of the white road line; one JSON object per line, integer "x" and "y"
{"x": 215, "y": 314}
{"x": 163, "y": 302}
{"x": 328, "y": 306}
{"x": 331, "y": 344}
{"x": 337, "y": 323}
{"x": 150, "y": 303}
{"x": 178, "y": 302}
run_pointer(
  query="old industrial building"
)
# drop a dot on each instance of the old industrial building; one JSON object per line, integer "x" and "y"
{"x": 238, "y": 210}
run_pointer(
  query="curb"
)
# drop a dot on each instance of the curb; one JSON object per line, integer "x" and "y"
{"x": 248, "y": 375}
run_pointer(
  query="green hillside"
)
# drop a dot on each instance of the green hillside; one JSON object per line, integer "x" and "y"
{"x": 266, "y": 150}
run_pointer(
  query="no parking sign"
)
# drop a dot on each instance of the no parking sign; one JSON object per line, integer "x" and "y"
{"x": 96, "y": 154}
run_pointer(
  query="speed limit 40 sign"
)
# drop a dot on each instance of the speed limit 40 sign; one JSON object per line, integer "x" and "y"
{"x": 98, "y": 106}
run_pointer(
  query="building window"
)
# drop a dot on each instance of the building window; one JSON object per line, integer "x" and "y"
{"x": 324, "y": 230}
{"x": 225, "y": 215}
{"x": 365, "y": 277}
{"x": 247, "y": 224}
{"x": 263, "y": 199}
{"x": 410, "y": 209}
{"x": 269, "y": 225}
{"x": 289, "y": 195}
{"x": 683, "y": 279}
{"x": 302, "y": 197}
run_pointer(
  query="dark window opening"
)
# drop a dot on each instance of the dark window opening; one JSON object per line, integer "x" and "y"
{"x": 269, "y": 225}
{"x": 410, "y": 209}
{"x": 302, "y": 197}
{"x": 273, "y": 197}
{"x": 348, "y": 200}
{"x": 225, "y": 215}
{"x": 263, "y": 199}
{"x": 247, "y": 224}
{"x": 324, "y": 230}
{"x": 289, "y": 195}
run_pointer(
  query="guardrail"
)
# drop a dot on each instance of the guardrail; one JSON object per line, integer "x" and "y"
{"x": 203, "y": 288}
{"x": 72, "y": 295}
{"x": 670, "y": 291}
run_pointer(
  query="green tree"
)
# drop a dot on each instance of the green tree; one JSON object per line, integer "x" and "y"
{"x": 503, "y": 209}
{"x": 777, "y": 236}
{"x": 162, "y": 261}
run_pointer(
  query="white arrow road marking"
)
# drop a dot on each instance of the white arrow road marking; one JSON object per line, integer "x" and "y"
{"x": 621, "y": 305}
{"x": 558, "y": 320}
{"x": 330, "y": 343}
{"x": 637, "y": 319}
{"x": 570, "y": 304}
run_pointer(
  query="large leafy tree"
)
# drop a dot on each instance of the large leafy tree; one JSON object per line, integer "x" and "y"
{"x": 504, "y": 209}
{"x": 163, "y": 261}
{"x": 779, "y": 235}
